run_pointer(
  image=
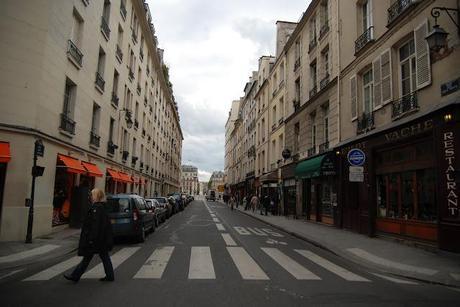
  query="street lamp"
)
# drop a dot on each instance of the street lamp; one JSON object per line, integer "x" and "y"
{"x": 437, "y": 39}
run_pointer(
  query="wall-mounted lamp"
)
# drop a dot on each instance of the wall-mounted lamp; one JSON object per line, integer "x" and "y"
{"x": 437, "y": 39}
{"x": 447, "y": 117}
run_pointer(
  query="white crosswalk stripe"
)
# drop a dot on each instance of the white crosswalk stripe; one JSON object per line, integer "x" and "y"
{"x": 248, "y": 268}
{"x": 345, "y": 274}
{"x": 216, "y": 220}
{"x": 156, "y": 264}
{"x": 117, "y": 259}
{"x": 220, "y": 227}
{"x": 228, "y": 239}
{"x": 55, "y": 270}
{"x": 296, "y": 270}
{"x": 201, "y": 266}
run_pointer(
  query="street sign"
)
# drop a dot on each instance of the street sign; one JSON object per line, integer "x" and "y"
{"x": 356, "y": 174}
{"x": 356, "y": 157}
{"x": 39, "y": 148}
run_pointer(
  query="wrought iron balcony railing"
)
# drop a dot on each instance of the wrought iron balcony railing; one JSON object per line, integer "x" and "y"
{"x": 100, "y": 81}
{"x": 115, "y": 99}
{"x": 94, "y": 139}
{"x": 123, "y": 11}
{"x": 67, "y": 124}
{"x": 75, "y": 53}
{"x": 136, "y": 124}
{"x": 324, "y": 29}
{"x": 111, "y": 147}
{"x": 405, "y": 105}
{"x": 399, "y": 7}
{"x": 313, "y": 91}
{"x": 364, "y": 39}
{"x": 365, "y": 123}
{"x": 323, "y": 147}
{"x": 105, "y": 28}
{"x": 131, "y": 75}
{"x": 324, "y": 82}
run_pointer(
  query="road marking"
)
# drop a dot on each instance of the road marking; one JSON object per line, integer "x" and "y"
{"x": 271, "y": 232}
{"x": 241, "y": 230}
{"x": 455, "y": 276}
{"x": 55, "y": 269}
{"x": 388, "y": 263}
{"x": 290, "y": 265}
{"x": 271, "y": 241}
{"x": 201, "y": 266}
{"x": 117, "y": 259}
{"x": 156, "y": 264}
{"x": 396, "y": 280}
{"x": 213, "y": 215}
{"x": 257, "y": 231}
{"x": 331, "y": 267}
{"x": 220, "y": 227}
{"x": 216, "y": 220}
{"x": 228, "y": 239}
{"x": 28, "y": 253}
{"x": 11, "y": 273}
{"x": 247, "y": 267}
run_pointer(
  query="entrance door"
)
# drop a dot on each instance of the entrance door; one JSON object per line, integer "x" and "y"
{"x": 2, "y": 186}
{"x": 305, "y": 197}
{"x": 351, "y": 206}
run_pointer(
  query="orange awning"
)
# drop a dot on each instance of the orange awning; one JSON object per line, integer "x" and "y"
{"x": 114, "y": 175}
{"x": 125, "y": 177}
{"x": 5, "y": 155}
{"x": 73, "y": 165}
{"x": 92, "y": 169}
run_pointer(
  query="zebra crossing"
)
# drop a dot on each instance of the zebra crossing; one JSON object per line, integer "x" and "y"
{"x": 201, "y": 265}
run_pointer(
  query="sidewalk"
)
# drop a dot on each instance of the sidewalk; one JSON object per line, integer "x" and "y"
{"x": 376, "y": 253}
{"x": 16, "y": 254}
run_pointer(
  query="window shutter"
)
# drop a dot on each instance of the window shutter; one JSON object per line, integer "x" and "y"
{"x": 377, "y": 83}
{"x": 354, "y": 98}
{"x": 422, "y": 54}
{"x": 385, "y": 71}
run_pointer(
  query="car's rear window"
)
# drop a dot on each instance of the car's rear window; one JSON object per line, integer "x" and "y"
{"x": 117, "y": 205}
{"x": 160, "y": 200}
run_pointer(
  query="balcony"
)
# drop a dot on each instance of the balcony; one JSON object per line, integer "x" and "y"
{"x": 406, "y": 105}
{"x": 67, "y": 124}
{"x": 274, "y": 127}
{"x": 143, "y": 132}
{"x": 105, "y": 28}
{"x": 123, "y": 11}
{"x": 313, "y": 91}
{"x": 324, "y": 82}
{"x": 365, "y": 123}
{"x": 138, "y": 89}
{"x": 131, "y": 75}
{"x": 364, "y": 39}
{"x": 134, "y": 160}
{"x": 312, "y": 44}
{"x": 145, "y": 101}
{"x": 119, "y": 54}
{"x": 281, "y": 120}
{"x": 74, "y": 54}
{"x": 134, "y": 37}
{"x": 398, "y": 8}
{"x": 324, "y": 29}
{"x": 148, "y": 71}
{"x": 124, "y": 155}
{"x": 115, "y": 100}
{"x": 324, "y": 147}
{"x": 311, "y": 151}
{"x": 100, "y": 83}
{"x": 297, "y": 64}
{"x": 111, "y": 147}
{"x": 94, "y": 139}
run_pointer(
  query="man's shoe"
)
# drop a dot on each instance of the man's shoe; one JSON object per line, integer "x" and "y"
{"x": 70, "y": 277}
{"x": 106, "y": 279}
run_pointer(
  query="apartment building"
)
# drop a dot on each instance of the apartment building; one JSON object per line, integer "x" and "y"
{"x": 189, "y": 180}
{"x": 231, "y": 141}
{"x": 85, "y": 79}
{"x": 216, "y": 181}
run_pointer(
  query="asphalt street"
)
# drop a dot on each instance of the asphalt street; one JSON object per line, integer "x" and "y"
{"x": 209, "y": 255}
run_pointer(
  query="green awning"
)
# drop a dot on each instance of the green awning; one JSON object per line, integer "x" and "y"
{"x": 309, "y": 168}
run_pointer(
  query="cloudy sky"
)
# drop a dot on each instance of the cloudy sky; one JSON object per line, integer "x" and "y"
{"x": 212, "y": 47}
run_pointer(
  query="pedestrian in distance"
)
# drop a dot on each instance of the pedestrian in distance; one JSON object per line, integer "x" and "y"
{"x": 264, "y": 205}
{"x": 96, "y": 238}
{"x": 245, "y": 203}
{"x": 232, "y": 202}
{"x": 254, "y": 202}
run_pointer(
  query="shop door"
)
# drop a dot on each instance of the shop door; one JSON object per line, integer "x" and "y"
{"x": 2, "y": 186}
{"x": 305, "y": 198}
{"x": 79, "y": 206}
{"x": 351, "y": 207}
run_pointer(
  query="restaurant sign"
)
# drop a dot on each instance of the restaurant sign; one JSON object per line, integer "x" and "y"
{"x": 450, "y": 174}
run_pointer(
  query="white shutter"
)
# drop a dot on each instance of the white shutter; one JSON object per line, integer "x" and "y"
{"x": 422, "y": 53}
{"x": 353, "y": 98}
{"x": 385, "y": 71}
{"x": 377, "y": 83}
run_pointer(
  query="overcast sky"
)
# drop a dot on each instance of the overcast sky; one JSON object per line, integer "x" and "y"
{"x": 211, "y": 48}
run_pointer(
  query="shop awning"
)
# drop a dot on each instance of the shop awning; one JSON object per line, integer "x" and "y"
{"x": 125, "y": 177}
{"x": 273, "y": 176}
{"x": 73, "y": 165}
{"x": 5, "y": 155}
{"x": 114, "y": 175}
{"x": 92, "y": 169}
{"x": 315, "y": 167}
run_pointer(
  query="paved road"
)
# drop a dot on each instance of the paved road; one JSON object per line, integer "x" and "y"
{"x": 211, "y": 256}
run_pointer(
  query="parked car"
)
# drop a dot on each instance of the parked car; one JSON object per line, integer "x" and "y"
{"x": 129, "y": 216}
{"x": 174, "y": 203}
{"x": 161, "y": 212}
{"x": 167, "y": 204}
{"x": 177, "y": 196}
{"x": 211, "y": 195}
{"x": 191, "y": 198}
{"x": 151, "y": 208}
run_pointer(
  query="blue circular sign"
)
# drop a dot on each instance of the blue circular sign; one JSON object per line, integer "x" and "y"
{"x": 356, "y": 157}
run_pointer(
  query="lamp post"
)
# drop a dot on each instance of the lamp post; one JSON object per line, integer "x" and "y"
{"x": 437, "y": 39}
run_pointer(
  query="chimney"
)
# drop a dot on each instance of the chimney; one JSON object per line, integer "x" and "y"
{"x": 284, "y": 30}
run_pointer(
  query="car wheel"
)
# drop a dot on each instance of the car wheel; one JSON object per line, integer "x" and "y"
{"x": 141, "y": 236}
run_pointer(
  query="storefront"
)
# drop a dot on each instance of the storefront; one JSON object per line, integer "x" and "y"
{"x": 117, "y": 182}
{"x": 317, "y": 188}
{"x": 289, "y": 190}
{"x": 409, "y": 185}
{"x": 5, "y": 157}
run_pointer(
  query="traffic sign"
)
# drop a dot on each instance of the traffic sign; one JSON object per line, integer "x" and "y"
{"x": 356, "y": 157}
{"x": 356, "y": 174}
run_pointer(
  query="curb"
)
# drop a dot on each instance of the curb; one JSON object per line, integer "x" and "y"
{"x": 355, "y": 261}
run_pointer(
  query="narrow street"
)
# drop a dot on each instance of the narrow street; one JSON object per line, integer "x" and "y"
{"x": 209, "y": 255}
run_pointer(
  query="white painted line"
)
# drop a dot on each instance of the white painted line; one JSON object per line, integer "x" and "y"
{"x": 201, "y": 266}
{"x": 241, "y": 230}
{"x": 396, "y": 280}
{"x": 388, "y": 263}
{"x": 28, "y": 253}
{"x": 216, "y": 220}
{"x": 213, "y": 215}
{"x": 248, "y": 268}
{"x": 156, "y": 264}
{"x": 331, "y": 267}
{"x": 290, "y": 265}
{"x": 11, "y": 273}
{"x": 455, "y": 276}
{"x": 271, "y": 232}
{"x": 55, "y": 269}
{"x": 220, "y": 227}
{"x": 257, "y": 231}
{"x": 117, "y": 259}
{"x": 228, "y": 239}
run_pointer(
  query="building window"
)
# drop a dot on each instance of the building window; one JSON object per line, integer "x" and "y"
{"x": 95, "y": 120}
{"x": 368, "y": 92}
{"x": 313, "y": 133}
{"x": 274, "y": 116}
{"x": 366, "y": 21}
{"x": 77, "y": 29}
{"x": 407, "y": 64}
{"x": 111, "y": 129}
{"x": 69, "y": 98}
{"x": 313, "y": 79}
{"x": 296, "y": 138}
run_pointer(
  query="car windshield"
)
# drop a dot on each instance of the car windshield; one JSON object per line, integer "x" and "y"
{"x": 116, "y": 205}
